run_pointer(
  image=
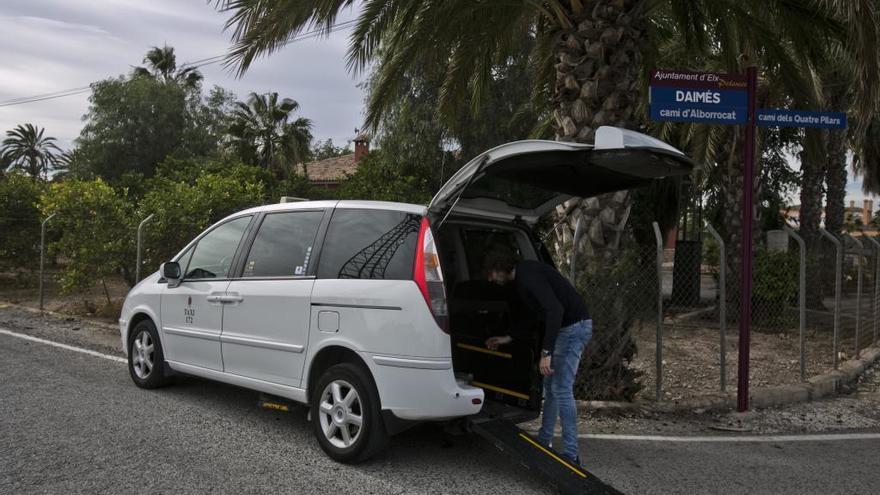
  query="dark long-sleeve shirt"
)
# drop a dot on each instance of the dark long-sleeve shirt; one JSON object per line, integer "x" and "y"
{"x": 547, "y": 293}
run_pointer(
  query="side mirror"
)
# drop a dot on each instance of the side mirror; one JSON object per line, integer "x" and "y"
{"x": 171, "y": 272}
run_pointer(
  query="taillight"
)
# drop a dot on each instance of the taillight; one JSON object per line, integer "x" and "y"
{"x": 429, "y": 276}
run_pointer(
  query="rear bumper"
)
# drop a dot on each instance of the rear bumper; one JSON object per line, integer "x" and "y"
{"x": 422, "y": 389}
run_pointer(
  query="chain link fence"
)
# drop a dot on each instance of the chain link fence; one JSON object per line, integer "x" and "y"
{"x": 680, "y": 305}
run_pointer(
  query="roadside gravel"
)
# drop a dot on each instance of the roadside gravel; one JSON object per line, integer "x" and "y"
{"x": 70, "y": 330}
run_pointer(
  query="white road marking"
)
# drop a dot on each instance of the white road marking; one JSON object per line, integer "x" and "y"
{"x": 824, "y": 437}
{"x": 63, "y": 346}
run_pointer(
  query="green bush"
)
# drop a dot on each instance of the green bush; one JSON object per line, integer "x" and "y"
{"x": 94, "y": 229}
{"x": 774, "y": 287}
{"x": 380, "y": 180}
{"x": 296, "y": 185}
{"x": 20, "y": 220}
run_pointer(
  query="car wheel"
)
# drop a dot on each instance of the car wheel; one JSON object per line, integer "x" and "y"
{"x": 345, "y": 414}
{"x": 146, "y": 363}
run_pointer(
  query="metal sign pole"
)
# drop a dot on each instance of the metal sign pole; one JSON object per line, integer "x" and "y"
{"x": 838, "y": 278}
{"x": 658, "y": 236}
{"x": 876, "y": 301}
{"x": 574, "y": 250}
{"x": 722, "y": 303}
{"x": 861, "y": 248}
{"x": 802, "y": 296}
{"x": 43, "y": 253}
{"x": 137, "y": 269}
{"x": 745, "y": 293}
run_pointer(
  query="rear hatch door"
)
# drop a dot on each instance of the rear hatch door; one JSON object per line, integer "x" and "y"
{"x": 527, "y": 179}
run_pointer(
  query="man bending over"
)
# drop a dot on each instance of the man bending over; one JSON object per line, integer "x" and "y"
{"x": 567, "y": 329}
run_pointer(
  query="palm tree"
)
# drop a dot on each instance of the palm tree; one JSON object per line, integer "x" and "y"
{"x": 262, "y": 131}
{"x": 26, "y": 148}
{"x": 846, "y": 75}
{"x": 590, "y": 56}
{"x": 850, "y": 84}
{"x": 69, "y": 164}
{"x": 161, "y": 64}
{"x": 590, "y": 59}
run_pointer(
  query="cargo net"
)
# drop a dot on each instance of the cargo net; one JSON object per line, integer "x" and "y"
{"x": 372, "y": 261}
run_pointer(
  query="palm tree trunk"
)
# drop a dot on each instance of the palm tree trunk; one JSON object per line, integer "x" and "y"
{"x": 835, "y": 148}
{"x": 834, "y": 155}
{"x": 34, "y": 168}
{"x": 810, "y": 216}
{"x": 732, "y": 194}
{"x": 835, "y": 181}
{"x": 597, "y": 60}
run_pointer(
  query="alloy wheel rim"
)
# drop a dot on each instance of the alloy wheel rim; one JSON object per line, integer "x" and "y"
{"x": 142, "y": 354}
{"x": 340, "y": 414}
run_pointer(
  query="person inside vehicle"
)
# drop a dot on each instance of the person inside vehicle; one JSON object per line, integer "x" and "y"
{"x": 567, "y": 329}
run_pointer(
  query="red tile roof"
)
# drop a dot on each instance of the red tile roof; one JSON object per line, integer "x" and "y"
{"x": 330, "y": 170}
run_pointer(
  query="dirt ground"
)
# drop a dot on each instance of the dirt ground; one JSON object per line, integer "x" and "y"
{"x": 691, "y": 358}
{"x": 23, "y": 288}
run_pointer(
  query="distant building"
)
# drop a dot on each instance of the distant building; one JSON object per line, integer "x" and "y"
{"x": 330, "y": 173}
{"x": 863, "y": 213}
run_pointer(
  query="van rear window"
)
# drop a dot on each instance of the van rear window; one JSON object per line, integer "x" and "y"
{"x": 371, "y": 244}
{"x": 480, "y": 242}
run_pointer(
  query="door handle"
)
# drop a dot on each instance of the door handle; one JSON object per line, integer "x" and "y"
{"x": 225, "y": 298}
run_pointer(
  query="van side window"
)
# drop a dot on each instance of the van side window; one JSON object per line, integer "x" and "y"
{"x": 212, "y": 257}
{"x": 283, "y": 245}
{"x": 374, "y": 244}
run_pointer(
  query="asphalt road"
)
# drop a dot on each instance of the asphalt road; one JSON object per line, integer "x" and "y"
{"x": 74, "y": 423}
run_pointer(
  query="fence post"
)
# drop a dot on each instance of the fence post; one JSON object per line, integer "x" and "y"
{"x": 43, "y": 254}
{"x": 722, "y": 302}
{"x": 838, "y": 268}
{"x": 659, "y": 358}
{"x": 802, "y": 296}
{"x": 858, "y": 293}
{"x": 876, "y": 305}
{"x": 137, "y": 269}
{"x": 574, "y": 248}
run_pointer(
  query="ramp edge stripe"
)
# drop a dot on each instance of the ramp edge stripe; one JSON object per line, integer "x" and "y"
{"x": 551, "y": 454}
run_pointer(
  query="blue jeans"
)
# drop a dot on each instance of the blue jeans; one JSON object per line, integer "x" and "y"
{"x": 558, "y": 387}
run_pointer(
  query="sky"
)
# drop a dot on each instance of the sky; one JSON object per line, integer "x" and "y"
{"x": 53, "y": 45}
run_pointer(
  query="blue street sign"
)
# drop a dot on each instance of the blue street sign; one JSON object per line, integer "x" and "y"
{"x": 768, "y": 117}
{"x": 699, "y": 113}
{"x": 690, "y": 97}
{"x": 682, "y": 96}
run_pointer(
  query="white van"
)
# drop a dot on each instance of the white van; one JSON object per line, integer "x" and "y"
{"x": 374, "y": 314}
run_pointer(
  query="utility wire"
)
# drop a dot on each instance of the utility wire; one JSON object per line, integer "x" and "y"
{"x": 47, "y": 96}
{"x": 44, "y": 95}
{"x": 195, "y": 64}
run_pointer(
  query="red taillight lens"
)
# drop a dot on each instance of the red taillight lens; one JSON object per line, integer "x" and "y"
{"x": 429, "y": 276}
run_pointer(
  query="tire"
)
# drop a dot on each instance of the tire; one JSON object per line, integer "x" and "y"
{"x": 146, "y": 362}
{"x": 334, "y": 411}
